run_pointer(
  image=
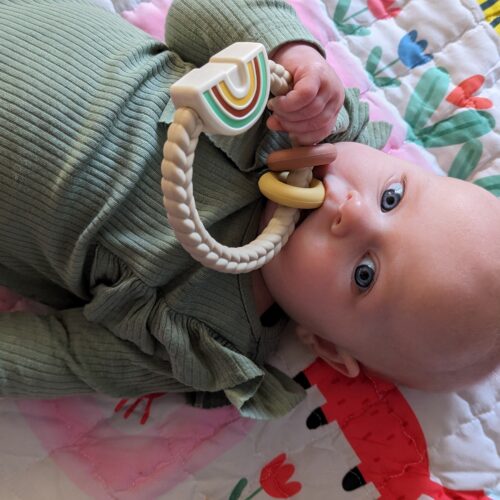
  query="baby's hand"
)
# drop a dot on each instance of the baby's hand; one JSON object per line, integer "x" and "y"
{"x": 309, "y": 111}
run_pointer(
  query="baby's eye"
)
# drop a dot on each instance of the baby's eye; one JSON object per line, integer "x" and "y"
{"x": 364, "y": 273}
{"x": 392, "y": 196}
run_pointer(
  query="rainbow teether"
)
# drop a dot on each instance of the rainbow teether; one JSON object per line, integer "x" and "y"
{"x": 230, "y": 92}
{"x": 227, "y": 96}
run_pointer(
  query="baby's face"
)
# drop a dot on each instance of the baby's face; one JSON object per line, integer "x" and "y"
{"x": 391, "y": 266}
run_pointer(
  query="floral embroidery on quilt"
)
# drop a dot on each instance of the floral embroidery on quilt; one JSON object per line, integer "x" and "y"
{"x": 274, "y": 480}
{"x": 460, "y": 129}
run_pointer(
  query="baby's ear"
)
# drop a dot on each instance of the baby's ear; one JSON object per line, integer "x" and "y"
{"x": 337, "y": 358}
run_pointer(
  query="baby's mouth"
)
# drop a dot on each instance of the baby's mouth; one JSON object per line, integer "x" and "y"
{"x": 320, "y": 171}
{"x": 330, "y": 202}
{"x": 330, "y": 182}
{"x": 324, "y": 174}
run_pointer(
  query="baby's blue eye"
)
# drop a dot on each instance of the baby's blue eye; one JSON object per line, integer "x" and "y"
{"x": 392, "y": 196}
{"x": 364, "y": 273}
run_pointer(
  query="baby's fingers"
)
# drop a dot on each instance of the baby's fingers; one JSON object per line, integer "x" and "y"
{"x": 314, "y": 129}
{"x": 309, "y": 111}
{"x": 303, "y": 93}
{"x": 302, "y": 136}
{"x": 309, "y": 138}
{"x": 326, "y": 118}
{"x": 274, "y": 123}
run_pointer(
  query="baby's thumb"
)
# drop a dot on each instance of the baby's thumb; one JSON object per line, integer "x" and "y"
{"x": 274, "y": 123}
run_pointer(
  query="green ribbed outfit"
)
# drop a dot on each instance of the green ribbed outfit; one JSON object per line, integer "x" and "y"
{"x": 84, "y": 108}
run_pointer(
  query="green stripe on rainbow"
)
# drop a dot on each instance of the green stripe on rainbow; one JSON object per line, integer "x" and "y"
{"x": 232, "y": 120}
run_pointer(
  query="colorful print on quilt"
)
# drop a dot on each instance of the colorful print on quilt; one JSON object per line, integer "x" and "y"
{"x": 355, "y": 439}
{"x": 437, "y": 64}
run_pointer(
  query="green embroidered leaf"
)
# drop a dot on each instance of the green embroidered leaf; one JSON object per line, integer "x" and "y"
{"x": 491, "y": 183}
{"x": 385, "y": 81}
{"x": 373, "y": 60}
{"x": 411, "y": 137}
{"x": 427, "y": 96}
{"x": 353, "y": 29}
{"x": 466, "y": 160}
{"x": 341, "y": 11}
{"x": 238, "y": 489}
{"x": 456, "y": 129}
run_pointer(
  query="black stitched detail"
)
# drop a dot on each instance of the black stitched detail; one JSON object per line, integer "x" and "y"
{"x": 353, "y": 480}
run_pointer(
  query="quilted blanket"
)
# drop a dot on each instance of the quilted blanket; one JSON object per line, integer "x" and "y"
{"x": 431, "y": 69}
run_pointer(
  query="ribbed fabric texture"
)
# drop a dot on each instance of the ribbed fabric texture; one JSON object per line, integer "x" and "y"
{"x": 81, "y": 214}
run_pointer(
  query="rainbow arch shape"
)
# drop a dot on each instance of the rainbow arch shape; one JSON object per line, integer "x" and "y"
{"x": 230, "y": 92}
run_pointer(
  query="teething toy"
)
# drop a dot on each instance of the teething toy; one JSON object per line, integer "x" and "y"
{"x": 227, "y": 96}
{"x": 230, "y": 92}
{"x": 275, "y": 189}
{"x": 301, "y": 157}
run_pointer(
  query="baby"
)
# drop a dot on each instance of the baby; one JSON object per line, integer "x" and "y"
{"x": 83, "y": 107}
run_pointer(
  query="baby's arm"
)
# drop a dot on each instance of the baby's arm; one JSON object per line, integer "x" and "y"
{"x": 198, "y": 29}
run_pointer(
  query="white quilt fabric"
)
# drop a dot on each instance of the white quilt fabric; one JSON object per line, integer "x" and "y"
{"x": 350, "y": 439}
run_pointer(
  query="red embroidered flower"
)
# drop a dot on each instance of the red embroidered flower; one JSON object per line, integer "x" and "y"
{"x": 462, "y": 95}
{"x": 381, "y": 9}
{"x": 274, "y": 478}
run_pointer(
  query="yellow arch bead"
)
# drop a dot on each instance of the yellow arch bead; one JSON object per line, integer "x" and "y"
{"x": 274, "y": 189}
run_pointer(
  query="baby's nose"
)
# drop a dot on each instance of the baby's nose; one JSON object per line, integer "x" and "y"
{"x": 352, "y": 215}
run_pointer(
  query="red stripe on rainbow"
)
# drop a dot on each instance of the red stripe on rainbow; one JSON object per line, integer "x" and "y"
{"x": 240, "y": 113}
